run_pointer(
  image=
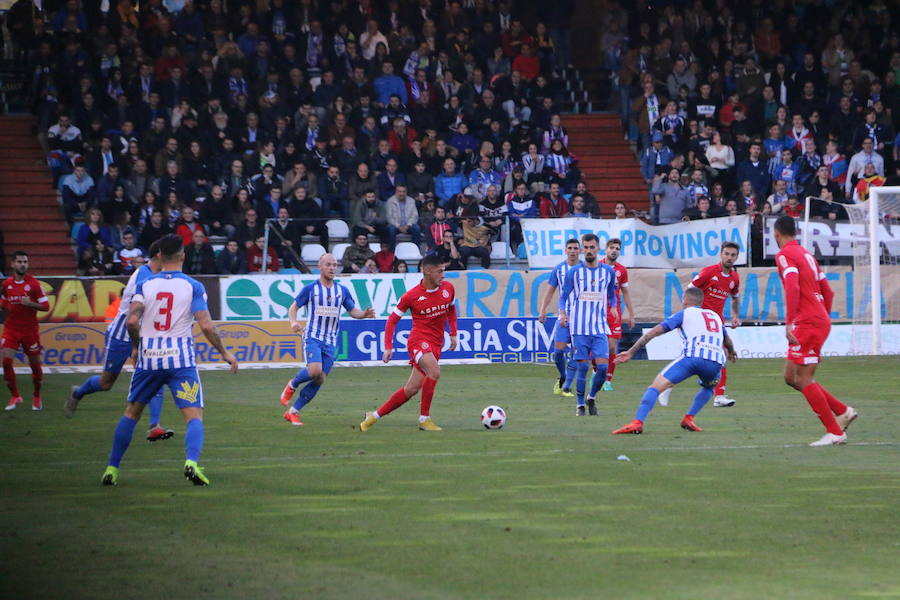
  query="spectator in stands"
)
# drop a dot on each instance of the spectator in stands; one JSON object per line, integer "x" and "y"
{"x": 356, "y": 255}
{"x": 156, "y": 227}
{"x": 670, "y": 198}
{"x": 370, "y": 218}
{"x": 402, "y": 217}
{"x": 168, "y": 153}
{"x": 217, "y": 214}
{"x": 476, "y": 241}
{"x": 620, "y": 211}
{"x": 255, "y": 255}
{"x": 703, "y": 210}
{"x": 655, "y": 157}
{"x": 128, "y": 256}
{"x": 139, "y": 182}
{"x": 672, "y": 126}
{"x": 232, "y": 259}
{"x": 449, "y": 183}
{"x": 697, "y": 187}
{"x": 285, "y": 238}
{"x": 482, "y": 177}
{"x": 870, "y": 178}
{"x": 199, "y": 258}
{"x": 389, "y": 180}
{"x": 754, "y": 169}
{"x": 97, "y": 260}
{"x": 779, "y": 196}
{"x": 720, "y": 157}
{"x": 553, "y": 204}
{"x": 64, "y": 144}
{"x": 830, "y": 193}
{"x": 306, "y": 208}
{"x": 251, "y": 229}
{"x": 360, "y": 183}
{"x": 385, "y": 259}
{"x": 420, "y": 183}
{"x": 448, "y": 252}
{"x": 520, "y": 205}
{"x": 493, "y": 210}
{"x": 188, "y": 225}
{"x": 334, "y": 193}
{"x": 858, "y": 164}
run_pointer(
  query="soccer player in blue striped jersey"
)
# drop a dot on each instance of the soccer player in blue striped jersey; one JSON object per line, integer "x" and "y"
{"x": 118, "y": 351}
{"x": 160, "y": 318}
{"x": 589, "y": 291}
{"x": 706, "y": 345}
{"x": 324, "y": 300}
{"x": 562, "y": 340}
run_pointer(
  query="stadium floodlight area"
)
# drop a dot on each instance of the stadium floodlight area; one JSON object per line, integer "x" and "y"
{"x": 876, "y": 249}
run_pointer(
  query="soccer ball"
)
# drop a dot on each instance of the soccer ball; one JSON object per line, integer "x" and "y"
{"x": 493, "y": 417}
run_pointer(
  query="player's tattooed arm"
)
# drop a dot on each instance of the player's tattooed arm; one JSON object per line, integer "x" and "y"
{"x": 729, "y": 349}
{"x": 644, "y": 339}
{"x": 209, "y": 331}
{"x": 133, "y": 323}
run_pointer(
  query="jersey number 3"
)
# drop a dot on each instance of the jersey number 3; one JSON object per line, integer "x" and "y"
{"x": 165, "y": 311}
{"x": 712, "y": 324}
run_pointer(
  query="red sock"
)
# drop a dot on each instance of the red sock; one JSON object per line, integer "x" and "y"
{"x": 37, "y": 376}
{"x": 611, "y": 366}
{"x": 817, "y": 401}
{"x": 9, "y": 375}
{"x": 836, "y": 406}
{"x": 723, "y": 377}
{"x": 427, "y": 394}
{"x": 396, "y": 400}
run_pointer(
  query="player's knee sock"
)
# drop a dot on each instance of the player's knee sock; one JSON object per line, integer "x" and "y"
{"x": 37, "y": 377}
{"x": 121, "y": 440}
{"x": 88, "y": 387}
{"x": 611, "y": 366}
{"x": 308, "y": 392}
{"x": 396, "y": 400}
{"x": 9, "y": 374}
{"x": 559, "y": 357}
{"x": 819, "y": 404}
{"x": 571, "y": 371}
{"x": 300, "y": 378}
{"x": 193, "y": 440}
{"x": 836, "y": 406}
{"x": 723, "y": 378}
{"x": 597, "y": 381}
{"x": 156, "y": 405}
{"x": 700, "y": 400}
{"x": 647, "y": 403}
{"x": 581, "y": 381}
{"x": 427, "y": 394}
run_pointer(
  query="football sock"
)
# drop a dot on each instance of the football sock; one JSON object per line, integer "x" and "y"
{"x": 647, "y": 403}
{"x": 723, "y": 378}
{"x": 836, "y": 406}
{"x": 37, "y": 377}
{"x": 597, "y": 381}
{"x": 193, "y": 440}
{"x": 559, "y": 357}
{"x": 300, "y": 378}
{"x": 306, "y": 394}
{"x": 88, "y": 387}
{"x": 571, "y": 371}
{"x": 581, "y": 380}
{"x": 396, "y": 400}
{"x": 611, "y": 366}
{"x": 700, "y": 400}
{"x": 817, "y": 401}
{"x": 121, "y": 440}
{"x": 427, "y": 394}
{"x": 9, "y": 374}
{"x": 156, "y": 405}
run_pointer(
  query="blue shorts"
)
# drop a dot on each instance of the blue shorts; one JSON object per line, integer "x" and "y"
{"x": 561, "y": 334}
{"x": 115, "y": 355}
{"x": 184, "y": 384}
{"x": 590, "y": 346}
{"x": 706, "y": 370}
{"x": 317, "y": 351}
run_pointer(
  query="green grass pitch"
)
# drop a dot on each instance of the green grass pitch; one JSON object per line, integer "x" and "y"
{"x": 542, "y": 509}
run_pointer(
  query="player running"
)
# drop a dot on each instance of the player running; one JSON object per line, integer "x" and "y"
{"x": 588, "y": 294}
{"x": 431, "y": 305}
{"x": 561, "y": 338}
{"x": 613, "y": 249}
{"x": 704, "y": 338}
{"x": 718, "y": 282}
{"x": 118, "y": 350}
{"x": 324, "y": 300}
{"x": 22, "y": 297}
{"x": 808, "y": 298}
{"x": 162, "y": 313}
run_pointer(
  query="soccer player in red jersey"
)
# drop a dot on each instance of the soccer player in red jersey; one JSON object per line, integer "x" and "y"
{"x": 808, "y": 298}
{"x": 22, "y": 297}
{"x": 613, "y": 249}
{"x": 431, "y": 305}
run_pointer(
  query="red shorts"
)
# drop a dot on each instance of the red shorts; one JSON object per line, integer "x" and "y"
{"x": 811, "y": 338}
{"x": 417, "y": 347}
{"x": 29, "y": 341}
{"x": 615, "y": 327}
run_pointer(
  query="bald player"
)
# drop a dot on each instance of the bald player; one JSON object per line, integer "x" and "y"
{"x": 324, "y": 301}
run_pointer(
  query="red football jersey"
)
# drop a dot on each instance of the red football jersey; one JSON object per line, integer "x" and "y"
{"x": 621, "y": 281}
{"x": 812, "y": 302}
{"x": 18, "y": 317}
{"x": 430, "y": 311}
{"x": 716, "y": 286}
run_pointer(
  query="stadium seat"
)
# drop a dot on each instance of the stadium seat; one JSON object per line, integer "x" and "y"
{"x": 375, "y": 247}
{"x": 289, "y": 271}
{"x": 311, "y": 253}
{"x": 407, "y": 251}
{"x": 520, "y": 252}
{"x": 75, "y": 228}
{"x": 338, "y": 230}
{"x": 499, "y": 250}
{"x": 338, "y": 251}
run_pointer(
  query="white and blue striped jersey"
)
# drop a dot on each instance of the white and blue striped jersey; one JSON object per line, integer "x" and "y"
{"x": 587, "y": 292}
{"x": 702, "y": 333}
{"x": 558, "y": 276}
{"x": 117, "y": 330}
{"x": 323, "y": 310}
{"x": 170, "y": 300}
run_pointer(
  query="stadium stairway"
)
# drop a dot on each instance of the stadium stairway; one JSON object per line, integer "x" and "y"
{"x": 30, "y": 218}
{"x": 611, "y": 171}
